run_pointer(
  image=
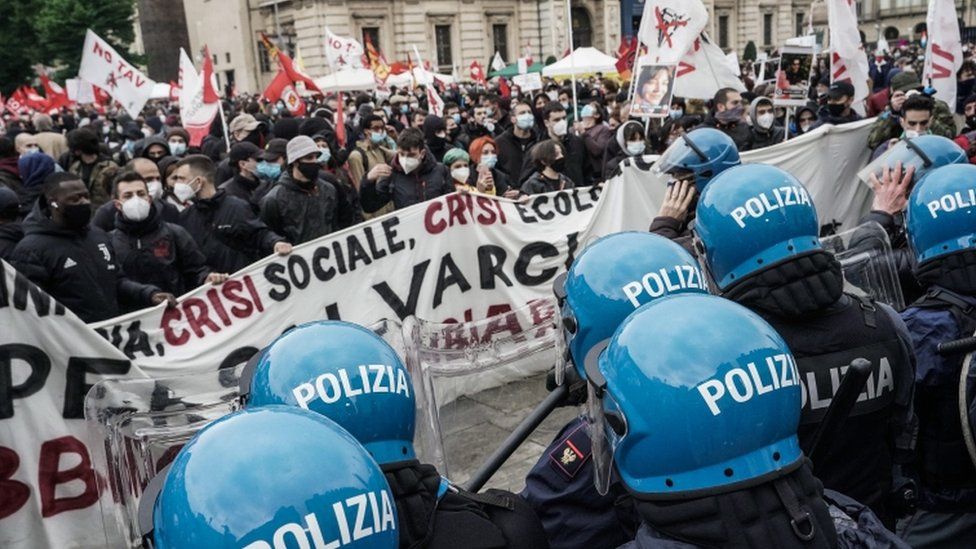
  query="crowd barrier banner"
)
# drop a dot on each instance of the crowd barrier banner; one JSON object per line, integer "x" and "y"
{"x": 459, "y": 258}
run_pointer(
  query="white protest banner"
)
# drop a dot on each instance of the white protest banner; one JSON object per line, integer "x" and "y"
{"x": 943, "y": 52}
{"x": 434, "y": 101}
{"x": 670, "y": 27}
{"x": 461, "y": 257}
{"x": 342, "y": 52}
{"x": 195, "y": 113}
{"x": 79, "y": 91}
{"x": 104, "y": 67}
{"x": 704, "y": 70}
{"x": 528, "y": 82}
{"x": 847, "y": 61}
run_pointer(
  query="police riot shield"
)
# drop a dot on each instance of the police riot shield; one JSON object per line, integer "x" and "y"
{"x": 869, "y": 268}
{"x": 967, "y": 403}
{"x": 137, "y": 426}
{"x": 476, "y": 380}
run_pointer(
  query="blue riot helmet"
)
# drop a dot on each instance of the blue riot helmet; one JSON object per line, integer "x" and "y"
{"x": 705, "y": 152}
{"x": 925, "y": 153}
{"x": 751, "y": 217}
{"x": 680, "y": 418}
{"x": 275, "y": 476}
{"x": 344, "y": 372}
{"x": 611, "y": 278}
{"x": 941, "y": 215}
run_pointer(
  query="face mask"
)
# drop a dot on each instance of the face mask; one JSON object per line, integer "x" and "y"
{"x": 456, "y": 118}
{"x": 524, "y": 121}
{"x": 324, "y": 156}
{"x": 404, "y": 109}
{"x": 377, "y": 137}
{"x": 911, "y": 134}
{"x": 552, "y": 95}
{"x": 489, "y": 112}
{"x": 409, "y": 164}
{"x": 730, "y": 115}
{"x": 155, "y": 189}
{"x": 147, "y": 132}
{"x": 177, "y": 148}
{"x": 587, "y": 112}
{"x": 310, "y": 171}
{"x": 559, "y": 165}
{"x": 836, "y": 109}
{"x": 489, "y": 125}
{"x": 635, "y": 148}
{"x": 129, "y": 146}
{"x": 106, "y": 129}
{"x": 565, "y": 104}
{"x": 31, "y": 150}
{"x": 388, "y": 111}
{"x": 183, "y": 191}
{"x": 765, "y": 121}
{"x": 461, "y": 174}
{"x": 76, "y": 217}
{"x": 805, "y": 127}
{"x": 269, "y": 170}
{"x": 971, "y": 121}
{"x": 676, "y": 113}
{"x": 559, "y": 128}
{"x": 489, "y": 160}
{"x": 275, "y": 111}
{"x": 136, "y": 209}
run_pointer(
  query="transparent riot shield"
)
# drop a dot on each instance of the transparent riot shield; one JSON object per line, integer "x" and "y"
{"x": 967, "y": 404}
{"x": 475, "y": 381}
{"x": 137, "y": 426}
{"x": 869, "y": 268}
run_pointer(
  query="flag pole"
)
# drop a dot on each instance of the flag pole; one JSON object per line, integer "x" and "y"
{"x": 223, "y": 122}
{"x": 634, "y": 66}
{"x": 572, "y": 63}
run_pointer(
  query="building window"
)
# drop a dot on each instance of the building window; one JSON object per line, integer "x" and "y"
{"x": 214, "y": 58}
{"x": 499, "y": 34}
{"x": 227, "y": 57}
{"x": 799, "y": 24}
{"x": 582, "y": 28}
{"x": 767, "y": 29}
{"x": 371, "y": 35}
{"x": 723, "y": 31}
{"x": 263, "y": 60}
{"x": 442, "y": 39}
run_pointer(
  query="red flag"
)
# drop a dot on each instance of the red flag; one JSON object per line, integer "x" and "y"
{"x": 54, "y": 94}
{"x": 15, "y": 103}
{"x": 503, "y": 88}
{"x": 625, "y": 56}
{"x": 210, "y": 95}
{"x": 477, "y": 73}
{"x": 296, "y": 75}
{"x": 33, "y": 99}
{"x": 377, "y": 62}
{"x": 340, "y": 122}
{"x": 174, "y": 91}
{"x": 283, "y": 88}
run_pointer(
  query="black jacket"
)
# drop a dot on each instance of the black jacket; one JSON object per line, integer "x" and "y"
{"x": 300, "y": 214}
{"x": 577, "y": 169}
{"x": 512, "y": 152}
{"x": 739, "y": 132}
{"x": 155, "y": 252}
{"x": 428, "y": 181}
{"x": 765, "y": 138}
{"x": 104, "y": 217}
{"x": 538, "y": 184}
{"x": 10, "y": 235}
{"x": 348, "y": 210}
{"x": 79, "y": 269}
{"x": 824, "y": 117}
{"x": 228, "y": 232}
{"x": 247, "y": 190}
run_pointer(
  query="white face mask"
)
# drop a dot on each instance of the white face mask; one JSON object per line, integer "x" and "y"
{"x": 806, "y": 126}
{"x": 136, "y": 208}
{"x": 765, "y": 121}
{"x": 552, "y": 95}
{"x": 911, "y": 134}
{"x": 155, "y": 189}
{"x": 409, "y": 164}
{"x": 635, "y": 148}
{"x": 177, "y": 148}
{"x": 461, "y": 174}
{"x": 559, "y": 128}
{"x": 183, "y": 191}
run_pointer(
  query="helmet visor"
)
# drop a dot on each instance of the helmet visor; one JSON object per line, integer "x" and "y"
{"x": 563, "y": 358}
{"x": 605, "y": 422}
{"x": 905, "y": 152}
{"x": 679, "y": 155}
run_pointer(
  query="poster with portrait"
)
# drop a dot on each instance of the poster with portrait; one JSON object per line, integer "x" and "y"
{"x": 793, "y": 76}
{"x": 652, "y": 94}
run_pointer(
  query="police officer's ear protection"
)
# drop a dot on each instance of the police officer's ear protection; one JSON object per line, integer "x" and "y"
{"x": 702, "y": 256}
{"x": 598, "y": 385}
{"x": 247, "y": 373}
{"x": 147, "y": 504}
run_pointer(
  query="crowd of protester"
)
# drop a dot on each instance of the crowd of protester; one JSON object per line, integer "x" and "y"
{"x": 110, "y": 213}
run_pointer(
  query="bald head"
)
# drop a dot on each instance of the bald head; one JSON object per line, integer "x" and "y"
{"x": 23, "y": 141}
{"x": 144, "y": 167}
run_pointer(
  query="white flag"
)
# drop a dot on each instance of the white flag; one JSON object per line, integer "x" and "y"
{"x": 704, "y": 70}
{"x": 943, "y": 53}
{"x": 497, "y": 63}
{"x": 670, "y": 28}
{"x": 343, "y": 53}
{"x": 104, "y": 67}
{"x": 848, "y": 60}
{"x": 434, "y": 101}
{"x": 79, "y": 91}
{"x": 195, "y": 114}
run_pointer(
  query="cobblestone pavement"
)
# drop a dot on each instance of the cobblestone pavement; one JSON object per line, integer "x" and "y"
{"x": 474, "y": 426}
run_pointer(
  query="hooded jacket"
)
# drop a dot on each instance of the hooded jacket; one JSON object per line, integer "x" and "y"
{"x": 78, "y": 269}
{"x": 429, "y": 180}
{"x": 10, "y": 234}
{"x": 155, "y": 252}
{"x": 617, "y": 150}
{"x": 764, "y": 137}
{"x": 298, "y": 213}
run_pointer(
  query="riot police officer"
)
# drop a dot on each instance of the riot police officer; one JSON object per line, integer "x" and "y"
{"x": 703, "y": 437}
{"x": 349, "y": 374}
{"x": 607, "y": 281}
{"x": 941, "y": 226}
{"x": 276, "y": 477}
{"x": 690, "y": 162}
{"x": 757, "y": 237}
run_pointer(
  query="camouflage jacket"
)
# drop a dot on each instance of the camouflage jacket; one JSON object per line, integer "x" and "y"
{"x": 888, "y": 126}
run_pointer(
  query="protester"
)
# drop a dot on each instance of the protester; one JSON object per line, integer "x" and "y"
{"x": 11, "y": 230}
{"x": 26, "y": 143}
{"x": 105, "y": 215}
{"x": 413, "y": 176}
{"x": 246, "y": 184}
{"x": 576, "y": 166}
{"x": 301, "y": 206}
{"x": 549, "y": 158}
{"x": 94, "y": 168}
{"x": 9, "y": 173}
{"x": 596, "y": 133}
{"x": 838, "y": 110}
{"x": 484, "y": 174}
{"x": 916, "y": 120}
{"x": 728, "y": 116}
{"x": 33, "y": 170}
{"x": 51, "y": 142}
{"x": 765, "y": 131}
{"x": 74, "y": 262}
{"x": 514, "y": 142}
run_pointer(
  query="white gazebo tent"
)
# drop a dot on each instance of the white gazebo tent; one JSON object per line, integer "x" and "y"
{"x": 420, "y": 77}
{"x": 347, "y": 80}
{"x": 582, "y": 61}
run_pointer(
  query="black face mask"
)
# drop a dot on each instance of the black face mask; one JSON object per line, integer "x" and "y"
{"x": 255, "y": 138}
{"x": 310, "y": 171}
{"x": 971, "y": 122}
{"x": 76, "y": 216}
{"x": 836, "y": 109}
{"x": 559, "y": 165}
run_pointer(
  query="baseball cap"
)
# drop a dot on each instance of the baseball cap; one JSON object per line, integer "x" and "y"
{"x": 243, "y": 151}
{"x": 275, "y": 149}
{"x": 300, "y": 147}
{"x": 905, "y": 81}
{"x": 243, "y": 122}
{"x": 840, "y": 89}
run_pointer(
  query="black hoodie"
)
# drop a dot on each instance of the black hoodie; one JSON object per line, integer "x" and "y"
{"x": 77, "y": 268}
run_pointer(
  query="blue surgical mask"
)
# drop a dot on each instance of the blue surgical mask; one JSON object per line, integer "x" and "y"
{"x": 388, "y": 111}
{"x": 404, "y": 109}
{"x": 324, "y": 156}
{"x": 377, "y": 137}
{"x": 489, "y": 160}
{"x": 676, "y": 113}
{"x": 177, "y": 148}
{"x": 456, "y": 117}
{"x": 525, "y": 120}
{"x": 587, "y": 112}
{"x": 269, "y": 170}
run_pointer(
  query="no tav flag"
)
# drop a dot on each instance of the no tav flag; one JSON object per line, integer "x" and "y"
{"x": 943, "y": 52}
{"x": 104, "y": 67}
{"x": 669, "y": 28}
